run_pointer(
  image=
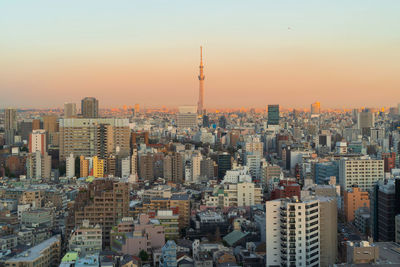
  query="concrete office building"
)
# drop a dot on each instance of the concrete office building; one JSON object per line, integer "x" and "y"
{"x": 353, "y": 199}
{"x": 186, "y": 117}
{"x": 174, "y": 167}
{"x": 10, "y": 125}
{"x": 90, "y": 107}
{"x": 385, "y": 199}
{"x": 328, "y": 231}
{"x": 69, "y": 110}
{"x": 94, "y": 137}
{"x": 361, "y": 172}
{"x": 273, "y": 114}
{"x": 146, "y": 163}
{"x": 293, "y": 232}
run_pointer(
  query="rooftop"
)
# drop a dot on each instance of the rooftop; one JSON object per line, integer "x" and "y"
{"x": 35, "y": 252}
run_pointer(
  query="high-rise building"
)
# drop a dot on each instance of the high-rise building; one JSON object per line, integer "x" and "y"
{"x": 186, "y": 117}
{"x": 90, "y": 107}
{"x": 353, "y": 199}
{"x": 36, "y": 124}
{"x": 385, "y": 199}
{"x": 94, "y": 137}
{"x": 328, "y": 232}
{"x": 134, "y": 161}
{"x": 222, "y": 122}
{"x": 174, "y": 167}
{"x": 98, "y": 167}
{"x": 38, "y": 165}
{"x": 273, "y": 114}
{"x": 316, "y": 108}
{"x": 25, "y": 129}
{"x": 146, "y": 163}
{"x": 224, "y": 164}
{"x": 207, "y": 167}
{"x": 200, "y": 104}
{"x": 104, "y": 202}
{"x": 37, "y": 141}
{"x": 50, "y": 124}
{"x": 293, "y": 232}
{"x": 10, "y": 125}
{"x": 70, "y": 166}
{"x": 361, "y": 172}
{"x": 125, "y": 167}
{"x": 69, "y": 110}
{"x": 365, "y": 121}
{"x": 84, "y": 166}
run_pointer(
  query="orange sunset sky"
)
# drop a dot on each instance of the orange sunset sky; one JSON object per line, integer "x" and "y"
{"x": 256, "y": 52}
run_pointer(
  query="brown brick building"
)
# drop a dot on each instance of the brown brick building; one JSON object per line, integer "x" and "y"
{"x": 104, "y": 202}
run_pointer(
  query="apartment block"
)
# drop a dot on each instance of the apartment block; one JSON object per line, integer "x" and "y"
{"x": 363, "y": 173}
{"x": 293, "y": 232}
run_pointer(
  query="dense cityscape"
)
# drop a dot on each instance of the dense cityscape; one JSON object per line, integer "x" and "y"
{"x": 199, "y": 133}
{"x": 191, "y": 187}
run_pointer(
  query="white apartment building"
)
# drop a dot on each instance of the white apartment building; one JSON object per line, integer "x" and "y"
{"x": 37, "y": 141}
{"x": 253, "y": 162}
{"x": 293, "y": 232}
{"x": 70, "y": 166}
{"x": 126, "y": 167}
{"x": 362, "y": 172}
{"x": 237, "y": 175}
{"x": 235, "y": 195}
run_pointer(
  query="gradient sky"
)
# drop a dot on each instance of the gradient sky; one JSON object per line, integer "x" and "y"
{"x": 342, "y": 53}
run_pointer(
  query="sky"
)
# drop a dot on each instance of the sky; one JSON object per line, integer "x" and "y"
{"x": 256, "y": 52}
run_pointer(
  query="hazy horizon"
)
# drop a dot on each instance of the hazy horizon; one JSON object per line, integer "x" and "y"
{"x": 342, "y": 53}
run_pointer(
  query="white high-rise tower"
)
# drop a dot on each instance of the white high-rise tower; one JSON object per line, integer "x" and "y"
{"x": 200, "y": 104}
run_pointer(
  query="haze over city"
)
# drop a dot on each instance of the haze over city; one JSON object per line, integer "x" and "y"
{"x": 341, "y": 53}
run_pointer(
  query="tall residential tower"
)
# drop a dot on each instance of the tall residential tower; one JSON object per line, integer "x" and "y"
{"x": 200, "y": 104}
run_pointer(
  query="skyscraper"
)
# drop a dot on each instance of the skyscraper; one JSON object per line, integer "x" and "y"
{"x": 316, "y": 108}
{"x": 90, "y": 107}
{"x": 273, "y": 114}
{"x": 69, "y": 110}
{"x": 200, "y": 104}
{"x": 10, "y": 125}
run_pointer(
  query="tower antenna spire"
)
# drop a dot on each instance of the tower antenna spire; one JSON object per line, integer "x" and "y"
{"x": 201, "y": 55}
{"x": 200, "y": 103}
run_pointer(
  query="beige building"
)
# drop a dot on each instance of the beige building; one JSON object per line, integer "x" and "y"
{"x": 170, "y": 223}
{"x": 173, "y": 167}
{"x": 186, "y": 117}
{"x": 361, "y": 253}
{"x": 94, "y": 137}
{"x": 235, "y": 195}
{"x": 86, "y": 239}
{"x": 328, "y": 230}
{"x": 45, "y": 254}
{"x": 361, "y": 172}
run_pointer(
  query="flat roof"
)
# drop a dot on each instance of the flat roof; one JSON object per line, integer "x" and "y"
{"x": 34, "y": 252}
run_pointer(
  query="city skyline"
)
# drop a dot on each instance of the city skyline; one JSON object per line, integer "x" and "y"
{"x": 257, "y": 54}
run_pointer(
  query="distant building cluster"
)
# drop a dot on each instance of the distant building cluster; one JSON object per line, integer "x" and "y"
{"x": 135, "y": 187}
